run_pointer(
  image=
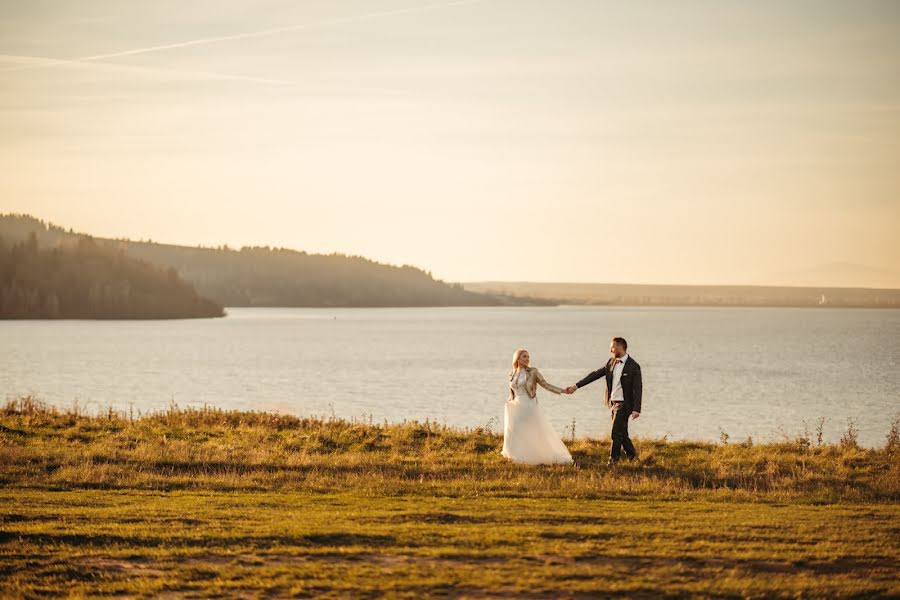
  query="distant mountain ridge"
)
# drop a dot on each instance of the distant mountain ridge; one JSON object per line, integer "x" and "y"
{"x": 264, "y": 276}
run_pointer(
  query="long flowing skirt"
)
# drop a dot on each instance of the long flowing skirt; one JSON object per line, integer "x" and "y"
{"x": 528, "y": 437}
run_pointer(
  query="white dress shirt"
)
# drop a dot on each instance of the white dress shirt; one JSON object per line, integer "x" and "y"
{"x": 616, "y": 394}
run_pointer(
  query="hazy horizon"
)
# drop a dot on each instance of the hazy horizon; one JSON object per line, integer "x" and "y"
{"x": 484, "y": 140}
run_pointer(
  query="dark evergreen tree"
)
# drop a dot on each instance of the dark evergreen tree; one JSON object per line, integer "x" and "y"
{"x": 87, "y": 280}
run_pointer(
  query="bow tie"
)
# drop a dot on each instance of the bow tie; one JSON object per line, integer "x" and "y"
{"x": 617, "y": 361}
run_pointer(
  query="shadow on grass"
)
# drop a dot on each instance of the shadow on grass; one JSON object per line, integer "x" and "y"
{"x": 335, "y": 539}
{"x": 438, "y": 518}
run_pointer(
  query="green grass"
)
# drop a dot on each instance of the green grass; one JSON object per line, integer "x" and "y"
{"x": 209, "y": 503}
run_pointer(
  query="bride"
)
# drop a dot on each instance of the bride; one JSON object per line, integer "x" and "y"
{"x": 528, "y": 437}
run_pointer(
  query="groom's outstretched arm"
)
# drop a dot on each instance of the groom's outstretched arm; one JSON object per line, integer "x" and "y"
{"x": 601, "y": 372}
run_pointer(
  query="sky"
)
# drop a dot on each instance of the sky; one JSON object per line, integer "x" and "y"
{"x": 692, "y": 142}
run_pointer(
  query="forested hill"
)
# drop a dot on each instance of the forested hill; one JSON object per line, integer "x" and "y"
{"x": 84, "y": 280}
{"x": 264, "y": 276}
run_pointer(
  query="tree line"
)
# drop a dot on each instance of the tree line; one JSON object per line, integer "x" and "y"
{"x": 87, "y": 280}
{"x": 267, "y": 276}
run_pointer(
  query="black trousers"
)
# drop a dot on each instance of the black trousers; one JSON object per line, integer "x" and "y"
{"x": 620, "y": 439}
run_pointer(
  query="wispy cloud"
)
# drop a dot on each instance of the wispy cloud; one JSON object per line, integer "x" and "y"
{"x": 29, "y": 62}
{"x": 45, "y": 62}
{"x": 194, "y": 75}
{"x": 277, "y": 30}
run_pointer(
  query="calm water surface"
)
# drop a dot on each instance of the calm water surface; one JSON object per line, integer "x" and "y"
{"x": 745, "y": 371}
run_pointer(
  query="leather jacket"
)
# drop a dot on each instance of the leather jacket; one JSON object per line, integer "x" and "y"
{"x": 533, "y": 377}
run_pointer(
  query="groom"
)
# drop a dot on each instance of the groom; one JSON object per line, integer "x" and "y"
{"x": 623, "y": 395}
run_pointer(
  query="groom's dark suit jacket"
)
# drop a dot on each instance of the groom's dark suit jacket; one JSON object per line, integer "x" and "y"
{"x": 632, "y": 386}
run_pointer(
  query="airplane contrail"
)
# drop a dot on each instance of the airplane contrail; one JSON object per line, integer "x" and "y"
{"x": 254, "y": 34}
{"x": 32, "y": 62}
{"x": 41, "y": 61}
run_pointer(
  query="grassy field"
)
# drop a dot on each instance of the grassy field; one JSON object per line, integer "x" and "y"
{"x": 205, "y": 503}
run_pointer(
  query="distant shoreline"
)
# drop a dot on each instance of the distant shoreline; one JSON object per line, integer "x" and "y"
{"x": 560, "y": 305}
{"x": 511, "y": 307}
{"x": 624, "y": 294}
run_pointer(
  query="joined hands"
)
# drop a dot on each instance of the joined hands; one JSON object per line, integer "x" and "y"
{"x": 570, "y": 390}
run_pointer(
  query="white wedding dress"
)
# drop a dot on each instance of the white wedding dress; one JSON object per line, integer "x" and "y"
{"x": 528, "y": 437}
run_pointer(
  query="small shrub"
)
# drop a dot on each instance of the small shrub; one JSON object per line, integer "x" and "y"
{"x": 820, "y": 430}
{"x": 850, "y": 439}
{"x": 893, "y": 437}
{"x": 804, "y": 440}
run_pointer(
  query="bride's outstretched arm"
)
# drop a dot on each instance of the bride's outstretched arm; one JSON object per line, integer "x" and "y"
{"x": 547, "y": 386}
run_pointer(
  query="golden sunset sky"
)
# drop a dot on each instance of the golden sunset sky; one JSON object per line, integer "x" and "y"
{"x": 639, "y": 142}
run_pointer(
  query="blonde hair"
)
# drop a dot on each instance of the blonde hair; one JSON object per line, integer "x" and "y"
{"x": 515, "y": 360}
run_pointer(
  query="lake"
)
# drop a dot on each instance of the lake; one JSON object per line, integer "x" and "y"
{"x": 757, "y": 372}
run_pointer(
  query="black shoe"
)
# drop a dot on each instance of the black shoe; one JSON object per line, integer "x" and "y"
{"x": 612, "y": 462}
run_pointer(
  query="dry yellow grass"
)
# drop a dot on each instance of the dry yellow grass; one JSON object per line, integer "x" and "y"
{"x": 209, "y": 503}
